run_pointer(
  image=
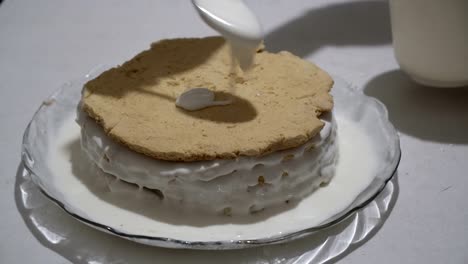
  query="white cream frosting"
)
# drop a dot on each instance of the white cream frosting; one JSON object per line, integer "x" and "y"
{"x": 238, "y": 186}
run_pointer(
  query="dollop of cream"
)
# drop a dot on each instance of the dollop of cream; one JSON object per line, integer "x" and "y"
{"x": 198, "y": 98}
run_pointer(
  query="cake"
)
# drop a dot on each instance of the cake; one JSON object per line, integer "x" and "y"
{"x": 273, "y": 144}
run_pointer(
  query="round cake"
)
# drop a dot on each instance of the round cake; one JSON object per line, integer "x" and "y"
{"x": 273, "y": 144}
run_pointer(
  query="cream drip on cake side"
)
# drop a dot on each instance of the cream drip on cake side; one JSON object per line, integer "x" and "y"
{"x": 237, "y": 186}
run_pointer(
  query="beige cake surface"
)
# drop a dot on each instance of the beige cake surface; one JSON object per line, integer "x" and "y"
{"x": 276, "y": 105}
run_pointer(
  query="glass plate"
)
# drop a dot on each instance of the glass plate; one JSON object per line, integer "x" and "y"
{"x": 368, "y": 112}
{"x": 66, "y": 236}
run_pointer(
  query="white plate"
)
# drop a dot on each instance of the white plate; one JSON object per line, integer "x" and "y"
{"x": 369, "y": 157}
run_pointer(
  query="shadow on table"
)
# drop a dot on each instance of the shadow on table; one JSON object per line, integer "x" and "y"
{"x": 433, "y": 114}
{"x": 339, "y": 24}
{"x": 78, "y": 243}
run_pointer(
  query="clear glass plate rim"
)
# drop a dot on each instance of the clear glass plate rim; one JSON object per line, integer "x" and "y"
{"x": 228, "y": 244}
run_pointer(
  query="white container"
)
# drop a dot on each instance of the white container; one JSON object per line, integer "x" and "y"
{"x": 430, "y": 38}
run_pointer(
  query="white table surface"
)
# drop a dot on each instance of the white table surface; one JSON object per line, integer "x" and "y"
{"x": 46, "y": 43}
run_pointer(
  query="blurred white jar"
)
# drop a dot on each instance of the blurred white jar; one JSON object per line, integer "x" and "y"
{"x": 430, "y": 38}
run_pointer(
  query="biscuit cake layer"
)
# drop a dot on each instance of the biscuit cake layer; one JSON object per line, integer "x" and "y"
{"x": 276, "y": 105}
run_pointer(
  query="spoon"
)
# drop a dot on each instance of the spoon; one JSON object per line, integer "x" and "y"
{"x": 236, "y": 22}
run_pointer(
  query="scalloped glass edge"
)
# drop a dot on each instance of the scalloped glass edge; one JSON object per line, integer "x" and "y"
{"x": 366, "y": 196}
{"x": 61, "y": 233}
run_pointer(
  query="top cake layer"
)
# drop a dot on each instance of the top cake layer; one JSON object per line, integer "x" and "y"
{"x": 275, "y": 105}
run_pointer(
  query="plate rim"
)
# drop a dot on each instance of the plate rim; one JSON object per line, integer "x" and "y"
{"x": 207, "y": 245}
